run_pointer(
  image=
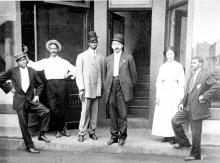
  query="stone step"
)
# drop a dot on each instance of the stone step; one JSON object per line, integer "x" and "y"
{"x": 138, "y": 111}
{"x": 215, "y": 114}
{"x": 143, "y": 77}
{"x": 143, "y": 69}
{"x": 139, "y": 101}
{"x": 142, "y": 84}
{"x": 141, "y": 92}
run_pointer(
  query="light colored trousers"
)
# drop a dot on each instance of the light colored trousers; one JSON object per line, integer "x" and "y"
{"x": 89, "y": 116}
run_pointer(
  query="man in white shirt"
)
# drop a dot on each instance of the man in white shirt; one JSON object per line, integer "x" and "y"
{"x": 27, "y": 89}
{"x": 56, "y": 70}
{"x": 121, "y": 77}
{"x": 90, "y": 75}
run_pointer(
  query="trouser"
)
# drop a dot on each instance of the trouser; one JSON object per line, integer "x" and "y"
{"x": 118, "y": 111}
{"x": 89, "y": 114}
{"x": 42, "y": 112}
{"x": 196, "y": 128}
{"x": 56, "y": 92}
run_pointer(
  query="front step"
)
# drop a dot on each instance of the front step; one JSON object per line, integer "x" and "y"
{"x": 138, "y": 92}
{"x": 138, "y": 111}
{"x": 139, "y": 101}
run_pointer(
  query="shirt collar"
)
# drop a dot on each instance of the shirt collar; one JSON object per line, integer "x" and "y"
{"x": 197, "y": 71}
{"x": 92, "y": 51}
{"x": 118, "y": 54}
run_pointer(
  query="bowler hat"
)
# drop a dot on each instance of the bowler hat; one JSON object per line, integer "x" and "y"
{"x": 118, "y": 37}
{"x": 20, "y": 55}
{"x": 92, "y": 36}
{"x": 53, "y": 42}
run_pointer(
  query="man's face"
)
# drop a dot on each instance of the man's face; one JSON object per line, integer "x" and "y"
{"x": 93, "y": 44}
{"x": 53, "y": 50}
{"x": 195, "y": 65}
{"x": 22, "y": 62}
{"x": 117, "y": 46}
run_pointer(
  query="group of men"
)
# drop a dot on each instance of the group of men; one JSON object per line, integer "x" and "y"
{"x": 94, "y": 73}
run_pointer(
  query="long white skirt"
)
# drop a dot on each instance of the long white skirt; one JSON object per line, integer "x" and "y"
{"x": 170, "y": 97}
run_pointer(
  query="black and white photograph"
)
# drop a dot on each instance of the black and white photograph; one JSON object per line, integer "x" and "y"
{"x": 113, "y": 81}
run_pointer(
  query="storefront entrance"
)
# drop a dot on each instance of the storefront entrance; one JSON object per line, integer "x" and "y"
{"x": 136, "y": 27}
{"x": 68, "y": 24}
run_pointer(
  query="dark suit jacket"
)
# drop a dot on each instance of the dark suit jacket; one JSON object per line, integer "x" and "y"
{"x": 127, "y": 75}
{"x": 20, "y": 97}
{"x": 205, "y": 85}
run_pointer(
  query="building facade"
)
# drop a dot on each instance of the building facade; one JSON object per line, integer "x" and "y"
{"x": 149, "y": 26}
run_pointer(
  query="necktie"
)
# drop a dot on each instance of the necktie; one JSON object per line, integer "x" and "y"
{"x": 191, "y": 82}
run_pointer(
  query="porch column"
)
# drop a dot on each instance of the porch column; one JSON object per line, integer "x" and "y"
{"x": 157, "y": 48}
{"x": 100, "y": 26}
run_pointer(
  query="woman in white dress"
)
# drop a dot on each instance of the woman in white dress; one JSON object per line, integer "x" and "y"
{"x": 170, "y": 90}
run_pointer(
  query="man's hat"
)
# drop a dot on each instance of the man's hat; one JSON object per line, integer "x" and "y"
{"x": 119, "y": 37}
{"x": 92, "y": 36}
{"x": 53, "y": 42}
{"x": 20, "y": 55}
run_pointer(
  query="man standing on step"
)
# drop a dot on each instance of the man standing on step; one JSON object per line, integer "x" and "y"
{"x": 56, "y": 70}
{"x": 120, "y": 79}
{"x": 90, "y": 74}
{"x": 194, "y": 107}
{"x": 27, "y": 90}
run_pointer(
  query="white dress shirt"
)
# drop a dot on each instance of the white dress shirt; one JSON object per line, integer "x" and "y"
{"x": 93, "y": 52}
{"x": 117, "y": 57}
{"x": 25, "y": 81}
{"x": 194, "y": 77}
{"x": 54, "y": 67}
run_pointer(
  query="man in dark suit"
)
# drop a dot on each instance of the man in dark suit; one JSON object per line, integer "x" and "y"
{"x": 26, "y": 98}
{"x": 194, "y": 107}
{"x": 120, "y": 80}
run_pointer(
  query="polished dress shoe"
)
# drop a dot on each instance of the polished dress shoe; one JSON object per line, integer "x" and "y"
{"x": 58, "y": 134}
{"x": 93, "y": 136}
{"x": 43, "y": 138}
{"x": 65, "y": 132}
{"x": 33, "y": 150}
{"x": 192, "y": 158}
{"x": 178, "y": 146}
{"x": 121, "y": 142}
{"x": 164, "y": 140}
{"x": 111, "y": 141}
{"x": 172, "y": 140}
{"x": 80, "y": 138}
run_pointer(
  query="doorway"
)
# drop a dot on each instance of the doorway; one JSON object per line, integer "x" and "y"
{"x": 135, "y": 25}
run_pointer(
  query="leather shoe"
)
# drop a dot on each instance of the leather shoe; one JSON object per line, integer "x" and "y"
{"x": 178, "y": 146}
{"x": 80, "y": 138}
{"x": 121, "y": 142}
{"x": 65, "y": 132}
{"x": 172, "y": 141}
{"x": 58, "y": 134}
{"x": 164, "y": 140}
{"x": 33, "y": 150}
{"x": 43, "y": 138}
{"x": 191, "y": 158}
{"x": 93, "y": 136}
{"x": 111, "y": 141}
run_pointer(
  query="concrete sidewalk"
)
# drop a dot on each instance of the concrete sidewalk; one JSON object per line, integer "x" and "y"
{"x": 138, "y": 141}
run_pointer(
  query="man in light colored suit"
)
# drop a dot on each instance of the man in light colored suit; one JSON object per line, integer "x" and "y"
{"x": 194, "y": 107}
{"x": 121, "y": 77}
{"x": 89, "y": 78}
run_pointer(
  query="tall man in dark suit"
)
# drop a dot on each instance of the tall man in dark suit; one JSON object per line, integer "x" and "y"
{"x": 120, "y": 80}
{"x": 26, "y": 98}
{"x": 194, "y": 107}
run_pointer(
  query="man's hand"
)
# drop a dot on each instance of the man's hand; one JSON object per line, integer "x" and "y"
{"x": 201, "y": 99}
{"x": 13, "y": 90}
{"x": 82, "y": 95}
{"x": 36, "y": 99}
{"x": 180, "y": 107}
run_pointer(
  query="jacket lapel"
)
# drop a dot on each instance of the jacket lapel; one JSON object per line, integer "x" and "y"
{"x": 198, "y": 77}
{"x": 122, "y": 60}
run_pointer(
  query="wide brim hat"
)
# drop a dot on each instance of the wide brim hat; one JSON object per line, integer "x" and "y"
{"x": 119, "y": 37}
{"x": 92, "y": 36}
{"x": 53, "y": 42}
{"x": 20, "y": 55}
